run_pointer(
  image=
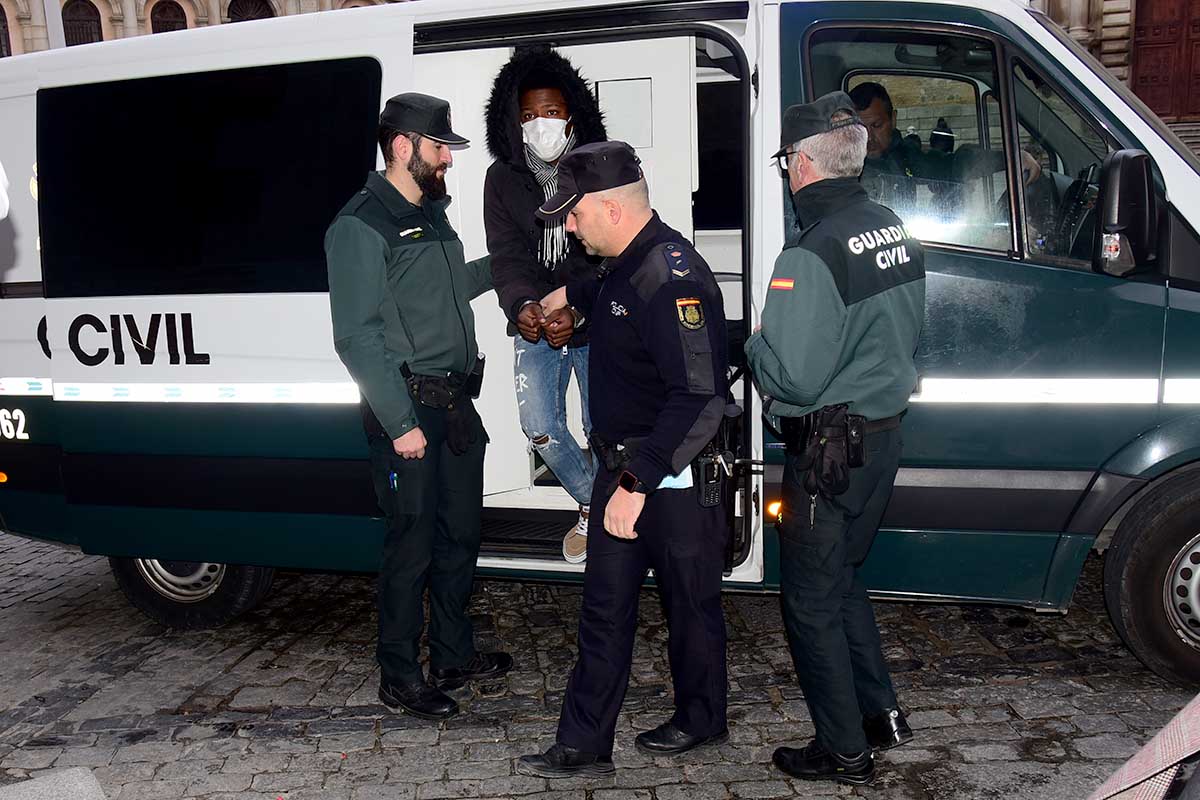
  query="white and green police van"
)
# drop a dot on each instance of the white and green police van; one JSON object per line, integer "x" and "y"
{"x": 170, "y": 396}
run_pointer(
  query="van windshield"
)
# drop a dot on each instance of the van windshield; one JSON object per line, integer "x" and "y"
{"x": 1121, "y": 89}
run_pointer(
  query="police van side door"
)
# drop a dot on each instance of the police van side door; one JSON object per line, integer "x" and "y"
{"x": 1034, "y": 370}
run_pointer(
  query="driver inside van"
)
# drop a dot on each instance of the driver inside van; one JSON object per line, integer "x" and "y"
{"x": 889, "y": 153}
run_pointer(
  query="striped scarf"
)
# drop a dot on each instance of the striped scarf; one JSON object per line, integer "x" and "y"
{"x": 555, "y": 240}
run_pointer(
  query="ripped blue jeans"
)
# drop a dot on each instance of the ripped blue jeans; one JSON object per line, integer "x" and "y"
{"x": 542, "y": 374}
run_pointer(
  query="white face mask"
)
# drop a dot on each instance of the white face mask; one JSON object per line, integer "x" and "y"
{"x": 546, "y": 137}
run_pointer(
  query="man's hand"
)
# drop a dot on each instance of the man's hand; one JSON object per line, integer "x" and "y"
{"x": 410, "y": 445}
{"x": 558, "y": 327}
{"x": 622, "y": 512}
{"x": 529, "y": 322}
{"x": 555, "y": 300}
{"x": 1031, "y": 170}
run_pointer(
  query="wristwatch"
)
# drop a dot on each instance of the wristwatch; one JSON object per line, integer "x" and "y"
{"x": 630, "y": 483}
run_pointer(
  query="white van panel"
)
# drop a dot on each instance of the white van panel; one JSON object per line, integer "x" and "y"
{"x": 19, "y": 261}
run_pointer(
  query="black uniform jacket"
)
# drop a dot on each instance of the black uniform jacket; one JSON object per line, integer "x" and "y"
{"x": 658, "y": 365}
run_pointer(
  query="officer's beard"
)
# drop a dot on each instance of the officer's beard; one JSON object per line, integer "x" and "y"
{"x": 429, "y": 178}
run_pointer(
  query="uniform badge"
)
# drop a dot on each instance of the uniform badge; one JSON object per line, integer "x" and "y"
{"x": 691, "y": 313}
{"x": 783, "y": 283}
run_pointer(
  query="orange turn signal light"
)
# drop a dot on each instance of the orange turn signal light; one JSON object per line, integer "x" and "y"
{"x": 3, "y": 477}
{"x": 775, "y": 509}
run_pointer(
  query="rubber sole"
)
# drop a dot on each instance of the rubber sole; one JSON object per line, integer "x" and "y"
{"x": 851, "y": 780}
{"x": 720, "y": 738}
{"x": 891, "y": 744}
{"x": 399, "y": 708}
{"x": 586, "y": 771}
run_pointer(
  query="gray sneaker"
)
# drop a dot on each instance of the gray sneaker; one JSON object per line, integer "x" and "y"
{"x": 574, "y": 547}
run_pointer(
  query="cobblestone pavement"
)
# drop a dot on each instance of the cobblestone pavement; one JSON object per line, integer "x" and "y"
{"x": 281, "y": 704}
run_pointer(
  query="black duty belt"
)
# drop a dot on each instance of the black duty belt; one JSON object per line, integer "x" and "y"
{"x": 440, "y": 391}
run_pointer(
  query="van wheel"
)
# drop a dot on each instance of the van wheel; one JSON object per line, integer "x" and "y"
{"x": 190, "y": 595}
{"x": 1152, "y": 580}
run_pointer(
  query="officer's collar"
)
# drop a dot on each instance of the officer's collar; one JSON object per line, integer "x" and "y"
{"x": 636, "y": 248}
{"x": 818, "y": 200}
{"x": 397, "y": 203}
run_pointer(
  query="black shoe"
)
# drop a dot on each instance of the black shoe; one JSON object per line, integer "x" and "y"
{"x": 418, "y": 698}
{"x": 668, "y": 740}
{"x": 561, "y": 761}
{"x": 481, "y": 665}
{"x": 887, "y": 729}
{"x": 815, "y": 763}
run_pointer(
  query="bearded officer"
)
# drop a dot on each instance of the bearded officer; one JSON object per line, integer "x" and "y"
{"x": 839, "y": 328}
{"x": 400, "y": 291}
{"x": 658, "y": 394}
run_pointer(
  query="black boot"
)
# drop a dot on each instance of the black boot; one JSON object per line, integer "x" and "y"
{"x": 418, "y": 699}
{"x": 481, "y": 666}
{"x": 668, "y": 740}
{"x": 815, "y": 763}
{"x": 561, "y": 761}
{"x": 887, "y": 729}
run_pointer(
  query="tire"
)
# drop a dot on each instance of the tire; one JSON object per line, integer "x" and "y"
{"x": 190, "y": 595}
{"x": 1152, "y": 580}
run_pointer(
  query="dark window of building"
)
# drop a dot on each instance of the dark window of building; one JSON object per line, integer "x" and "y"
{"x": 5, "y": 43}
{"x": 167, "y": 15}
{"x": 242, "y": 10}
{"x": 81, "y": 23}
{"x": 230, "y": 190}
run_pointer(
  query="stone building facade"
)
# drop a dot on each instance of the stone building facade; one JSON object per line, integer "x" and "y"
{"x": 23, "y": 22}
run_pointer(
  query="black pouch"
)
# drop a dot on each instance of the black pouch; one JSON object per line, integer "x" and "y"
{"x": 826, "y": 460}
{"x": 856, "y": 435}
{"x": 474, "y": 383}
{"x": 459, "y": 418}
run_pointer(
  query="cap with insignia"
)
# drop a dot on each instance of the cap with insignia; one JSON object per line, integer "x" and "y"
{"x": 590, "y": 168}
{"x": 429, "y": 116}
{"x": 809, "y": 119}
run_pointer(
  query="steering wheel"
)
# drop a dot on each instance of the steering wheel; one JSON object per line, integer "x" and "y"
{"x": 1077, "y": 201}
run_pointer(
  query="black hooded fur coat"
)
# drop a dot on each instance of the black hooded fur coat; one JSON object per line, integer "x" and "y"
{"x": 511, "y": 194}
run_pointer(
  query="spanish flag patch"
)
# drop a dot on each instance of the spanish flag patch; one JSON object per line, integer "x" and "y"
{"x": 783, "y": 283}
{"x": 691, "y": 313}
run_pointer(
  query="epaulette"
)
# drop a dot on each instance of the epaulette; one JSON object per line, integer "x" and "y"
{"x": 677, "y": 260}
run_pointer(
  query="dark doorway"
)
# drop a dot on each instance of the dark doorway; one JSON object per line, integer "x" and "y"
{"x": 1166, "y": 56}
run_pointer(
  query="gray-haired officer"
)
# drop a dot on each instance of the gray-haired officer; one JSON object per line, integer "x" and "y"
{"x": 834, "y": 358}
{"x": 658, "y": 368}
{"x": 400, "y": 291}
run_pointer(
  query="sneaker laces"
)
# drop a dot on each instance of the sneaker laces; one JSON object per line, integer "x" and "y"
{"x": 581, "y": 527}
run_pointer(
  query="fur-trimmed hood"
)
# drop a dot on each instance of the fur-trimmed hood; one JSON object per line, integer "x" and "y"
{"x": 503, "y": 112}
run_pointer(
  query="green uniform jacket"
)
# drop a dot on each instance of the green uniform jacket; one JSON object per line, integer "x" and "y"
{"x": 400, "y": 291}
{"x": 844, "y": 309}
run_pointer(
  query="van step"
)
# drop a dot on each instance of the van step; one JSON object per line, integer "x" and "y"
{"x": 525, "y": 534}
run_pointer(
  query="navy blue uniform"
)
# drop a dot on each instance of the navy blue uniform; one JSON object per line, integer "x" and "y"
{"x": 658, "y": 379}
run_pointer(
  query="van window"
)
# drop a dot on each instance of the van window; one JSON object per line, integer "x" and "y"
{"x": 213, "y": 182}
{"x": 1069, "y": 150}
{"x": 935, "y": 155}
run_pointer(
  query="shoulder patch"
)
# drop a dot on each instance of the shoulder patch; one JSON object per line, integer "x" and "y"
{"x": 690, "y": 312}
{"x": 677, "y": 260}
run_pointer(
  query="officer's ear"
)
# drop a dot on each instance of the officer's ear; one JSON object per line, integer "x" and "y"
{"x": 612, "y": 211}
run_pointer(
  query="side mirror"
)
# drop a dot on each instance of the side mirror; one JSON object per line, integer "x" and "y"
{"x": 1127, "y": 236}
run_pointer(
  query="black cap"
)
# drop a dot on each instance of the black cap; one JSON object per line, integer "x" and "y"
{"x": 420, "y": 113}
{"x": 809, "y": 119}
{"x": 591, "y": 168}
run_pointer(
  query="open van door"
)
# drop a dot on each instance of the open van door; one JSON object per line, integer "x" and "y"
{"x": 649, "y": 91}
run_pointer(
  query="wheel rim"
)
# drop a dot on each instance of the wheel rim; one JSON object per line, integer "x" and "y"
{"x": 181, "y": 581}
{"x": 1181, "y": 592}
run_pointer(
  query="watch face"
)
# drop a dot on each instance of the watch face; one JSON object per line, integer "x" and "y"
{"x": 628, "y": 481}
